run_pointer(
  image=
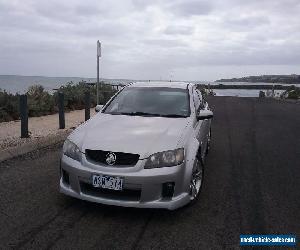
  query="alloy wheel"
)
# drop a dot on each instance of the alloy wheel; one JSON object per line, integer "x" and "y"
{"x": 208, "y": 142}
{"x": 196, "y": 180}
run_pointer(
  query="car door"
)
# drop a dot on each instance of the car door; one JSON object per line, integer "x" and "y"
{"x": 201, "y": 126}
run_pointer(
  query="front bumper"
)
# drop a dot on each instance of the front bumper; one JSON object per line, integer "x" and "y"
{"x": 142, "y": 187}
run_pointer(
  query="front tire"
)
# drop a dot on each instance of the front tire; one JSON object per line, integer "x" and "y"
{"x": 196, "y": 180}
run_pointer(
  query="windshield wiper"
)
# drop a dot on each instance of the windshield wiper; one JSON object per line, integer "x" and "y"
{"x": 139, "y": 113}
{"x": 174, "y": 115}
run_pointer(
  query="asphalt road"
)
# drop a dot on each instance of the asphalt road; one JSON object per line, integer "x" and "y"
{"x": 252, "y": 185}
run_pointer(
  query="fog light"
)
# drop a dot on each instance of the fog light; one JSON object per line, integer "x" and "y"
{"x": 168, "y": 189}
{"x": 65, "y": 177}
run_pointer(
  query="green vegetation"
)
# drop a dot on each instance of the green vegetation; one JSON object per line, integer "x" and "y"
{"x": 205, "y": 91}
{"x": 262, "y": 94}
{"x": 9, "y": 106}
{"x": 291, "y": 93}
{"x": 41, "y": 102}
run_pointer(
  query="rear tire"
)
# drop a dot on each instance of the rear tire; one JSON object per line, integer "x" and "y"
{"x": 208, "y": 142}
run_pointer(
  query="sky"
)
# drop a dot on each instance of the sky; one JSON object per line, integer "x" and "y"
{"x": 157, "y": 39}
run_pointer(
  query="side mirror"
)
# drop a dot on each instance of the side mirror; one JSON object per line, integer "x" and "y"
{"x": 205, "y": 114}
{"x": 98, "y": 108}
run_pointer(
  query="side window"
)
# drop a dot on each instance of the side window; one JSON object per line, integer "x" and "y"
{"x": 196, "y": 99}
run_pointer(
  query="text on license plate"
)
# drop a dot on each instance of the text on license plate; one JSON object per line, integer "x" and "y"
{"x": 108, "y": 182}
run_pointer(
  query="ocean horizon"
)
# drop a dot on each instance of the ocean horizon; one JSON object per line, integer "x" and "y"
{"x": 20, "y": 84}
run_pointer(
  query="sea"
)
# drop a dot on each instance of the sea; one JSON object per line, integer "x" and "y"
{"x": 20, "y": 84}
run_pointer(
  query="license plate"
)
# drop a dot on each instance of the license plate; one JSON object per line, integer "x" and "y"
{"x": 108, "y": 182}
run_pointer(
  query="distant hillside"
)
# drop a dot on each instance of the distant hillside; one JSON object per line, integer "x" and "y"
{"x": 290, "y": 79}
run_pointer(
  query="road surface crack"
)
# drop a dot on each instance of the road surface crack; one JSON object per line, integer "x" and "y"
{"x": 142, "y": 232}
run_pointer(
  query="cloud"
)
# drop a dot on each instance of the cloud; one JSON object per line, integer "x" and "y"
{"x": 245, "y": 23}
{"x": 191, "y": 8}
{"x": 166, "y": 43}
{"x": 179, "y": 30}
{"x": 148, "y": 38}
{"x": 142, "y": 4}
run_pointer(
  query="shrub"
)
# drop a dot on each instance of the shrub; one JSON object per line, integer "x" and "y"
{"x": 294, "y": 94}
{"x": 291, "y": 93}
{"x": 262, "y": 94}
{"x": 74, "y": 94}
{"x": 41, "y": 102}
{"x": 9, "y": 106}
{"x": 207, "y": 92}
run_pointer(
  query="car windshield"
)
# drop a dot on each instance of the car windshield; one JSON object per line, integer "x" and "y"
{"x": 150, "y": 101}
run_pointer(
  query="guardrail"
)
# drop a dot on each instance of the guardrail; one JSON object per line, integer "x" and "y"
{"x": 24, "y": 116}
{"x": 23, "y": 109}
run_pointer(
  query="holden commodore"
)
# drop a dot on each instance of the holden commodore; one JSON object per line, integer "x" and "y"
{"x": 145, "y": 148}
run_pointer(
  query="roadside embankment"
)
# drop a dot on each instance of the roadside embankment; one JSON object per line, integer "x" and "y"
{"x": 43, "y": 132}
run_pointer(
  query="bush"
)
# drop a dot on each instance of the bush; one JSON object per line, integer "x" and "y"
{"x": 74, "y": 94}
{"x": 294, "y": 94}
{"x": 9, "y": 106}
{"x": 41, "y": 102}
{"x": 262, "y": 94}
{"x": 291, "y": 93}
{"x": 207, "y": 92}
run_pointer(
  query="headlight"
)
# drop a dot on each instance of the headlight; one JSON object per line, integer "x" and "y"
{"x": 165, "y": 159}
{"x": 70, "y": 149}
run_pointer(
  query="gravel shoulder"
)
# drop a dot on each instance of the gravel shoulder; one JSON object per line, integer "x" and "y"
{"x": 40, "y": 129}
{"x": 43, "y": 131}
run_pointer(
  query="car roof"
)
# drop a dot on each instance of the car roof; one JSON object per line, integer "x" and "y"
{"x": 181, "y": 85}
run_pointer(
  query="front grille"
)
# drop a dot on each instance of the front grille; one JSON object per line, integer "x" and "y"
{"x": 122, "y": 159}
{"x": 124, "y": 195}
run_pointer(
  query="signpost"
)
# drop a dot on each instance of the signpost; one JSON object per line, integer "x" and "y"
{"x": 98, "y": 56}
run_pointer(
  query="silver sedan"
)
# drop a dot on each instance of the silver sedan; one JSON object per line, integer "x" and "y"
{"x": 145, "y": 148}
